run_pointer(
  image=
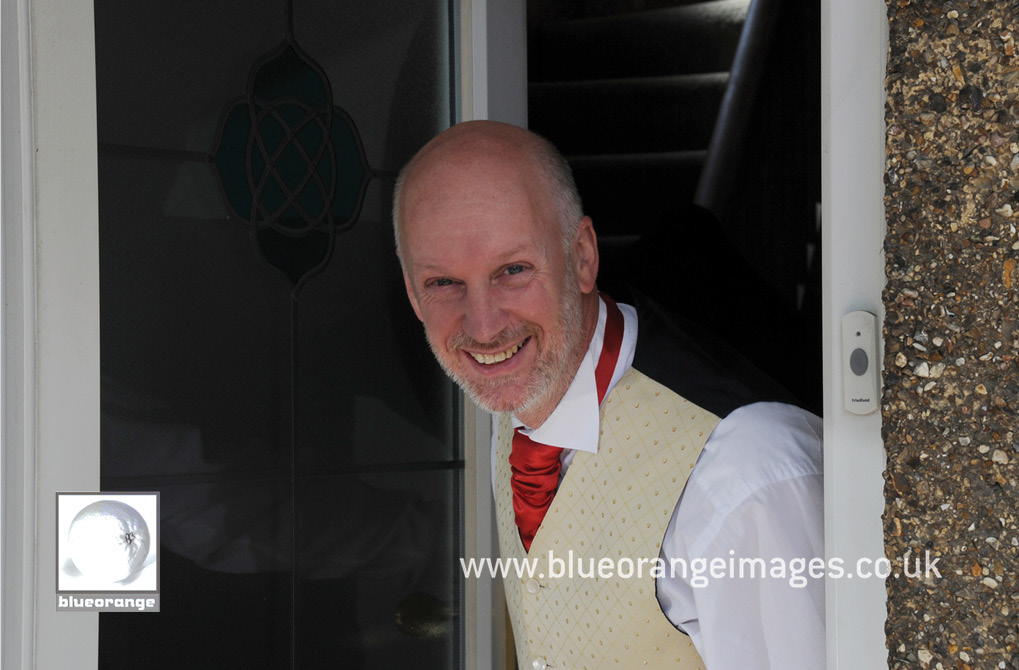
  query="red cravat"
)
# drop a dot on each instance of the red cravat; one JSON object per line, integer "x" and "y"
{"x": 535, "y": 466}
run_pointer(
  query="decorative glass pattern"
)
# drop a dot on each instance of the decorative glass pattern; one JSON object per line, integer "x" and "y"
{"x": 291, "y": 163}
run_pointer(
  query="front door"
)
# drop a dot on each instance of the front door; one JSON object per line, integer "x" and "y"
{"x": 224, "y": 323}
{"x": 259, "y": 365}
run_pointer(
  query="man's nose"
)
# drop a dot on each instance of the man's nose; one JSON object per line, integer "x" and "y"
{"x": 484, "y": 317}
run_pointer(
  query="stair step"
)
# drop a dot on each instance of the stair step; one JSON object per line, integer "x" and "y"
{"x": 629, "y": 193}
{"x": 649, "y": 114}
{"x": 689, "y": 39}
{"x": 557, "y": 10}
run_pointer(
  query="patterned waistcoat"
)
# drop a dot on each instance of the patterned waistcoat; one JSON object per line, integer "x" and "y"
{"x": 612, "y": 509}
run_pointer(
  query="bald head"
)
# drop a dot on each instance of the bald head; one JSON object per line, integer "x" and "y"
{"x": 500, "y": 153}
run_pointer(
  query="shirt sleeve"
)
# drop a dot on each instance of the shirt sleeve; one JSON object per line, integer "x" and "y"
{"x": 739, "y": 547}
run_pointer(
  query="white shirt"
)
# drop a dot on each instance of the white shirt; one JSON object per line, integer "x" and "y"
{"x": 755, "y": 492}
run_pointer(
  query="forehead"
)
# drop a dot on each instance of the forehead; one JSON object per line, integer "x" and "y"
{"x": 479, "y": 204}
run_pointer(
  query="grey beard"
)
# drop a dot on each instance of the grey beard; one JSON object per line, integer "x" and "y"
{"x": 554, "y": 372}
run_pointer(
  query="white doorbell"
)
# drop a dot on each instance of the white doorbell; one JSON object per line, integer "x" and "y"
{"x": 861, "y": 368}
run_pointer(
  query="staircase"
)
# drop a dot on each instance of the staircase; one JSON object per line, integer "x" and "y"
{"x": 633, "y": 98}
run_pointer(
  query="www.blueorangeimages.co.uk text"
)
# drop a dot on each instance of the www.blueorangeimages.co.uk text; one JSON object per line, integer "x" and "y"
{"x": 700, "y": 571}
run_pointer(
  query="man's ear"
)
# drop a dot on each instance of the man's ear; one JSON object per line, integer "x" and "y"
{"x": 585, "y": 255}
{"x": 411, "y": 295}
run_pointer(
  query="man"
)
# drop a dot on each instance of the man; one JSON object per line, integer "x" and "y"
{"x": 604, "y": 410}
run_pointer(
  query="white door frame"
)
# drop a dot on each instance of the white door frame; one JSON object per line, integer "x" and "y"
{"x": 854, "y": 43}
{"x": 50, "y": 326}
{"x": 51, "y": 310}
{"x": 493, "y": 74}
{"x": 51, "y": 316}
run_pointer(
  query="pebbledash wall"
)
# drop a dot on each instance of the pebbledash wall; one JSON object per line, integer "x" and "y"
{"x": 951, "y": 373}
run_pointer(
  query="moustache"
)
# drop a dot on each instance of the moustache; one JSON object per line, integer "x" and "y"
{"x": 504, "y": 340}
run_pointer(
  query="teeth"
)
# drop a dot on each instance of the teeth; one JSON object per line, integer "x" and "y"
{"x": 491, "y": 359}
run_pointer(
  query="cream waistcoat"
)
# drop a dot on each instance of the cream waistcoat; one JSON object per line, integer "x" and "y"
{"x": 613, "y": 505}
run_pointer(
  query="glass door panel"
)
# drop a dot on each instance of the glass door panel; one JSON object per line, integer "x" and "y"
{"x": 260, "y": 365}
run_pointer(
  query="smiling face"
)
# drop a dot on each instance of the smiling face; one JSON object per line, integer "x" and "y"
{"x": 507, "y": 309}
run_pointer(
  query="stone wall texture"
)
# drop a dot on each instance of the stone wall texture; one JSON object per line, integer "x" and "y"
{"x": 951, "y": 377}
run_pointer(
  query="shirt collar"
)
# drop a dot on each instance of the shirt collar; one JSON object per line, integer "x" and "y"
{"x": 573, "y": 424}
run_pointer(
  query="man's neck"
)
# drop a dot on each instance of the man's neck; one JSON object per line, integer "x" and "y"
{"x": 534, "y": 416}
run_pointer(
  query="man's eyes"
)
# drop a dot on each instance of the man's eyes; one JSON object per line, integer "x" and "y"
{"x": 441, "y": 284}
{"x": 446, "y": 282}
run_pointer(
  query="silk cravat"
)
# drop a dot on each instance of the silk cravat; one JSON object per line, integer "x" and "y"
{"x": 535, "y": 466}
